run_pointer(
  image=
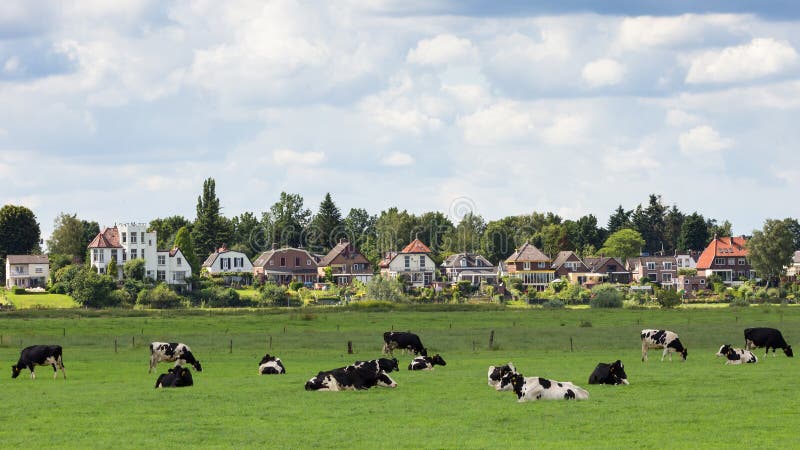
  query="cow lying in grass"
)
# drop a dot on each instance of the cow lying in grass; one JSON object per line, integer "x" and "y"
{"x": 359, "y": 376}
{"x": 736, "y": 355}
{"x": 613, "y": 373}
{"x": 175, "y": 377}
{"x": 426, "y": 362}
{"x": 270, "y": 365}
{"x": 537, "y": 388}
{"x": 496, "y": 374}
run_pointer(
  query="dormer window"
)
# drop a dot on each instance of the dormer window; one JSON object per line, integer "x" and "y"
{"x": 463, "y": 262}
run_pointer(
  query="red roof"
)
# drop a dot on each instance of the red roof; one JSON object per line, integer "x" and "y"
{"x": 416, "y": 246}
{"x": 724, "y": 247}
{"x": 109, "y": 238}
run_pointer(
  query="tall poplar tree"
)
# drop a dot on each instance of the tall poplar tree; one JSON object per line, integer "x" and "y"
{"x": 327, "y": 226}
{"x": 183, "y": 240}
{"x": 210, "y": 229}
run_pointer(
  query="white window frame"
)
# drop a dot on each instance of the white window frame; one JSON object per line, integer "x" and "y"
{"x": 651, "y": 265}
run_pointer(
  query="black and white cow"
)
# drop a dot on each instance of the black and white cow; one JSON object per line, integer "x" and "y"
{"x": 426, "y": 362}
{"x": 769, "y": 338}
{"x": 385, "y": 364}
{"x": 613, "y": 373}
{"x": 736, "y": 355}
{"x": 172, "y": 351}
{"x": 39, "y": 355}
{"x": 496, "y": 374}
{"x": 537, "y": 388}
{"x": 403, "y": 341}
{"x": 662, "y": 339}
{"x": 175, "y": 377}
{"x": 270, "y": 365}
{"x": 351, "y": 378}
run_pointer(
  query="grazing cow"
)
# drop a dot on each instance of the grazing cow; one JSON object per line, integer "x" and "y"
{"x": 39, "y": 355}
{"x": 270, "y": 365}
{"x": 403, "y": 341}
{"x": 537, "y": 388}
{"x": 385, "y": 364}
{"x": 662, "y": 339}
{"x": 767, "y": 338}
{"x": 172, "y": 351}
{"x": 368, "y": 374}
{"x": 426, "y": 362}
{"x": 175, "y": 377}
{"x": 737, "y": 355}
{"x": 613, "y": 373}
{"x": 497, "y": 373}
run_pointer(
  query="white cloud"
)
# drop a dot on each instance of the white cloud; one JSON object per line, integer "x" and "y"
{"x": 680, "y": 118}
{"x": 12, "y": 65}
{"x": 644, "y": 32}
{"x": 398, "y": 159}
{"x": 443, "y": 49}
{"x": 703, "y": 140}
{"x": 286, "y": 157}
{"x": 633, "y": 162}
{"x": 759, "y": 58}
{"x": 603, "y": 72}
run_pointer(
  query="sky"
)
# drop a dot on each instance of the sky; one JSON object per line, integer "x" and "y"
{"x": 117, "y": 111}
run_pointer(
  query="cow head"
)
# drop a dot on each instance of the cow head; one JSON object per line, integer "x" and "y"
{"x": 385, "y": 381}
{"x": 197, "y": 366}
{"x": 724, "y": 350}
{"x": 617, "y": 370}
{"x": 316, "y": 383}
{"x": 788, "y": 351}
{"x": 496, "y": 374}
{"x": 437, "y": 359}
{"x": 684, "y": 352}
{"x": 506, "y": 381}
{"x": 15, "y": 371}
{"x": 266, "y": 358}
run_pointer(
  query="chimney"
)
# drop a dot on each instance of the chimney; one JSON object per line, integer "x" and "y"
{"x": 274, "y": 245}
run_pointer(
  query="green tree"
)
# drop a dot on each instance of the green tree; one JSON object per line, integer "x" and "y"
{"x": 359, "y": 226}
{"x": 19, "y": 233}
{"x": 650, "y": 223}
{"x": 210, "y": 229}
{"x": 57, "y": 261}
{"x": 694, "y": 233}
{"x": 794, "y": 228}
{"x": 183, "y": 241}
{"x": 717, "y": 230}
{"x": 668, "y": 298}
{"x": 248, "y": 235}
{"x": 112, "y": 269}
{"x": 673, "y": 223}
{"x": 380, "y": 288}
{"x": 134, "y": 269}
{"x": 273, "y": 295}
{"x": 286, "y": 220}
{"x": 624, "y": 243}
{"x": 160, "y": 297}
{"x": 498, "y": 240}
{"x": 585, "y": 232}
{"x": 605, "y": 296}
{"x": 90, "y": 230}
{"x": 167, "y": 228}
{"x": 432, "y": 229}
{"x": 326, "y": 226}
{"x": 553, "y": 238}
{"x": 466, "y": 236}
{"x": 619, "y": 219}
{"x": 68, "y": 236}
{"x": 394, "y": 229}
{"x": 92, "y": 290}
{"x": 771, "y": 249}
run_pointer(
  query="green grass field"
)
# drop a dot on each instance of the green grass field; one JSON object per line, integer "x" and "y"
{"x": 108, "y": 399}
{"x": 40, "y": 300}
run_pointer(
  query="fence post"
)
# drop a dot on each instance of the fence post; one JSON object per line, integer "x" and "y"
{"x": 133, "y": 341}
{"x": 491, "y": 340}
{"x": 473, "y": 345}
{"x": 64, "y": 331}
{"x": 570, "y": 344}
{"x": 115, "y": 346}
{"x": 270, "y": 342}
{"x": 349, "y": 347}
{"x": 231, "y": 349}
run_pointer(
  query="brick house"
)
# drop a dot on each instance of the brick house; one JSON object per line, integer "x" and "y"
{"x": 346, "y": 263}
{"x": 568, "y": 263}
{"x": 605, "y": 269}
{"x": 532, "y": 266}
{"x": 726, "y": 257}
{"x": 660, "y": 269}
{"x": 285, "y": 265}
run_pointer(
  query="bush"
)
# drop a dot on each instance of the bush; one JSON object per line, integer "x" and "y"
{"x": 606, "y": 296}
{"x": 554, "y": 304}
{"x": 160, "y": 297}
{"x": 380, "y": 288}
{"x": 217, "y": 297}
{"x": 668, "y": 298}
{"x": 134, "y": 269}
{"x": 743, "y": 302}
{"x": 91, "y": 289}
{"x": 59, "y": 288}
{"x": 17, "y": 290}
{"x": 296, "y": 285}
{"x": 120, "y": 297}
{"x": 273, "y": 295}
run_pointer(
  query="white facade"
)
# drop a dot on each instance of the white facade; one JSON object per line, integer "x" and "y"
{"x": 418, "y": 268}
{"x": 685, "y": 262}
{"x": 227, "y": 261}
{"x": 27, "y": 271}
{"x": 128, "y": 241}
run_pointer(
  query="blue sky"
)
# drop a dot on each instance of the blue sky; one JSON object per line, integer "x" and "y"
{"x": 117, "y": 111}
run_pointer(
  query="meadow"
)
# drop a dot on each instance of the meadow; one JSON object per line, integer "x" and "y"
{"x": 108, "y": 398}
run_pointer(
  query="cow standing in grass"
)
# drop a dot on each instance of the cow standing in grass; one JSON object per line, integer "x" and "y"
{"x": 39, "y": 355}
{"x": 769, "y": 338}
{"x": 404, "y": 341}
{"x": 665, "y": 339}
{"x": 172, "y": 351}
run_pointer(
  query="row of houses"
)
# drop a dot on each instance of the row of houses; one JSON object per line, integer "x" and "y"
{"x": 725, "y": 256}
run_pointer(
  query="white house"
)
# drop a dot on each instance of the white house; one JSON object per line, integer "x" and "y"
{"x": 27, "y": 271}
{"x": 225, "y": 260}
{"x": 127, "y": 241}
{"x": 414, "y": 263}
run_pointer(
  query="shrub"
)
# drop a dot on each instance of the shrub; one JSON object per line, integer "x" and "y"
{"x": 687, "y": 271}
{"x": 17, "y": 290}
{"x": 120, "y": 297}
{"x": 380, "y": 288}
{"x": 91, "y": 289}
{"x": 606, "y": 296}
{"x": 217, "y": 297}
{"x": 59, "y": 288}
{"x": 160, "y": 297}
{"x": 134, "y": 269}
{"x": 554, "y": 304}
{"x": 273, "y": 295}
{"x": 296, "y": 285}
{"x": 668, "y": 298}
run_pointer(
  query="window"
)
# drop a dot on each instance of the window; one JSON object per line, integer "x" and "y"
{"x": 542, "y": 265}
{"x": 178, "y": 262}
{"x": 416, "y": 277}
{"x": 101, "y": 255}
{"x": 283, "y": 262}
{"x": 179, "y": 276}
{"x": 702, "y": 281}
{"x": 407, "y": 262}
{"x": 150, "y": 242}
{"x": 463, "y": 262}
{"x": 422, "y": 261}
{"x": 38, "y": 270}
{"x": 666, "y": 277}
{"x": 133, "y": 238}
{"x": 271, "y": 262}
{"x": 653, "y": 276}
{"x": 731, "y": 261}
{"x": 133, "y": 253}
{"x": 296, "y": 261}
{"x": 526, "y": 266}
{"x": 124, "y": 255}
{"x": 680, "y": 263}
{"x": 124, "y": 236}
{"x": 308, "y": 262}
{"x": 102, "y": 270}
{"x": 142, "y": 240}
{"x": 225, "y": 263}
{"x": 161, "y": 275}
{"x": 742, "y": 261}
{"x": 162, "y": 260}
{"x": 142, "y": 253}
{"x": 235, "y": 262}
{"x": 651, "y": 265}
{"x": 667, "y": 266}
{"x": 114, "y": 254}
{"x": 719, "y": 261}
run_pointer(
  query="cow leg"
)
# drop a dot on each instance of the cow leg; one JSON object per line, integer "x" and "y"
{"x": 33, "y": 374}
{"x": 63, "y": 371}
{"x": 55, "y": 371}
{"x": 664, "y": 353}
{"x": 644, "y": 352}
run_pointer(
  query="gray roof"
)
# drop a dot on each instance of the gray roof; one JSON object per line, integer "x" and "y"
{"x": 528, "y": 252}
{"x": 27, "y": 259}
{"x": 473, "y": 260}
